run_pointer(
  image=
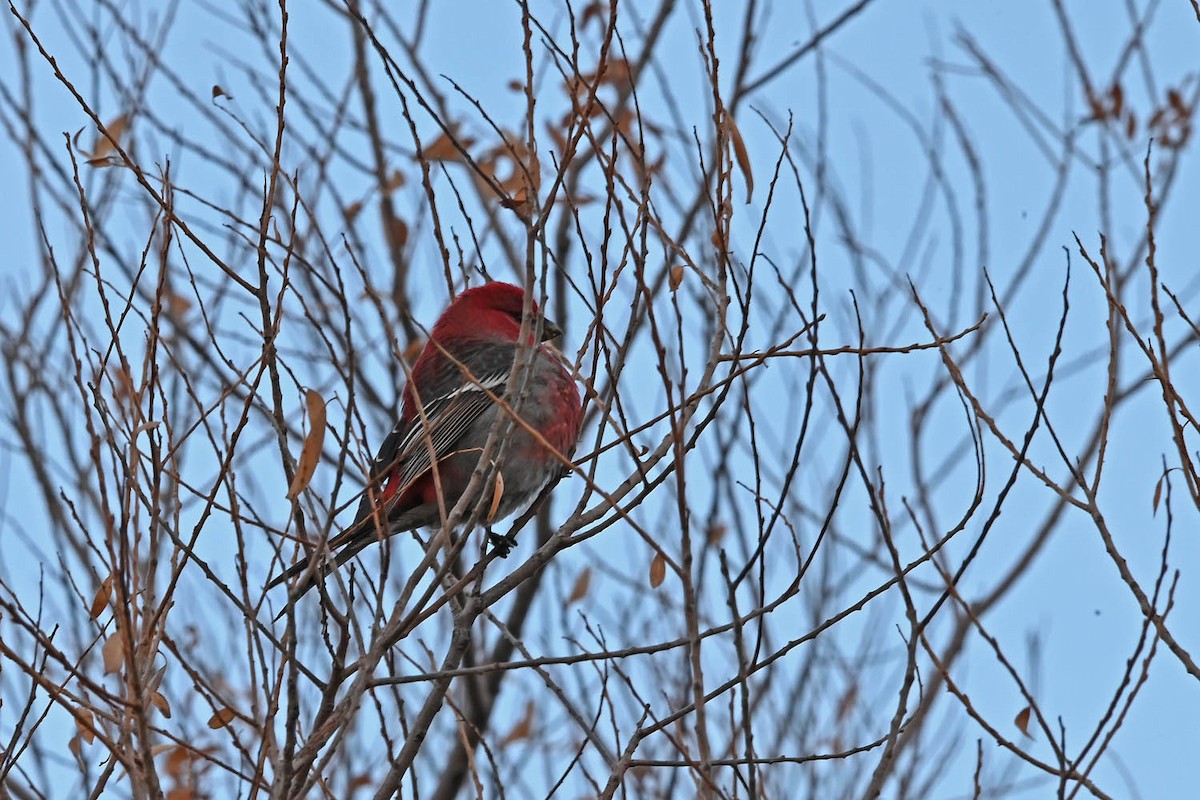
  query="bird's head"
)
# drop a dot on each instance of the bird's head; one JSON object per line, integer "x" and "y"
{"x": 490, "y": 311}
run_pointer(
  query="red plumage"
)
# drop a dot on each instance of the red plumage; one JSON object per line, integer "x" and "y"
{"x": 446, "y": 415}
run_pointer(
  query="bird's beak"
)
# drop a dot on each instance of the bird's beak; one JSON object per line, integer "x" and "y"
{"x": 550, "y": 330}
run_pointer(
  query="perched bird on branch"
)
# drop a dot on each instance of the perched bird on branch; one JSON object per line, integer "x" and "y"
{"x": 458, "y": 387}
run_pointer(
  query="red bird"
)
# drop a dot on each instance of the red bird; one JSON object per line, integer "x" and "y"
{"x": 446, "y": 417}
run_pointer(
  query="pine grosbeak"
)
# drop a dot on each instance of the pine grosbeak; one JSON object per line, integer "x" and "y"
{"x": 446, "y": 417}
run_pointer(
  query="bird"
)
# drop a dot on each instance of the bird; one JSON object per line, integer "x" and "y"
{"x": 447, "y": 413}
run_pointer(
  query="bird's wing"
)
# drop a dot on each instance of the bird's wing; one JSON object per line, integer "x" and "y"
{"x": 411, "y": 444}
{"x": 408, "y": 446}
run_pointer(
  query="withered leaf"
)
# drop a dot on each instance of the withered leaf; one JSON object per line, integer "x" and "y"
{"x": 615, "y": 73}
{"x": 1175, "y": 101}
{"x": 658, "y": 570}
{"x": 177, "y": 304}
{"x": 113, "y": 652}
{"x": 100, "y": 601}
{"x": 676, "y": 277}
{"x": 592, "y": 11}
{"x": 1022, "y": 720}
{"x": 104, "y": 144}
{"x": 848, "y": 701}
{"x": 521, "y": 203}
{"x": 523, "y": 728}
{"x": 580, "y": 590}
{"x": 177, "y": 762}
{"x": 84, "y": 722}
{"x": 158, "y": 701}
{"x": 394, "y": 182}
{"x": 310, "y": 454}
{"x": 497, "y": 496}
{"x": 397, "y": 233}
{"x": 443, "y": 149}
{"x": 1117, "y": 97}
{"x": 222, "y": 717}
{"x": 741, "y": 154}
{"x": 217, "y": 91}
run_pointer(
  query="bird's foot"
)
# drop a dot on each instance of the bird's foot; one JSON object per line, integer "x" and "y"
{"x": 502, "y": 543}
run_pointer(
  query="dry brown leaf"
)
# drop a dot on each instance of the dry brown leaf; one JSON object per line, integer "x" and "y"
{"x": 615, "y": 73}
{"x": 158, "y": 701}
{"x": 100, "y": 601}
{"x": 104, "y": 144}
{"x": 394, "y": 182}
{"x": 580, "y": 590}
{"x": 181, "y": 793}
{"x": 1153, "y": 503}
{"x": 352, "y": 211}
{"x": 485, "y": 173}
{"x": 113, "y": 652}
{"x": 676, "y": 277}
{"x": 397, "y": 233}
{"x": 217, "y": 91}
{"x": 1022, "y": 720}
{"x": 177, "y": 762}
{"x": 848, "y": 701}
{"x": 177, "y": 304}
{"x": 123, "y": 387}
{"x": 716, "y": 532}
{"x": 523, "y": 728}
{"x": 516, "y": 85}
{"x": 624, "y": 124}
{"x": 1175, "y": 101}
{"x": 73, "y": 746}
{"x": 443, "y": 149}
{"x": 592, "y": 11}
{"x": 84, "y": 723}
{"x": 618, "y": 74}
{"x": 310, "y": 454}
{"x": 658, "y": 570}
{"x": 497, "y": 496}
{"x": 520, "y": 203}
{"x": 221, "y": 718}
{"x": 740, "y": 153}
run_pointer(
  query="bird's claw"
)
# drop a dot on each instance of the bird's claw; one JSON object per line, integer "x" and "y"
{"x": 502, "y": 543}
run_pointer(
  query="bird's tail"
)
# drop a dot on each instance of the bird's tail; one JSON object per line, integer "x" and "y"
{"x": 340, "y": 549}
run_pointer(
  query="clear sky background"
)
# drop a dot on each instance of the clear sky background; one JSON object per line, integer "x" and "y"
{"x": 880, "y": 72}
